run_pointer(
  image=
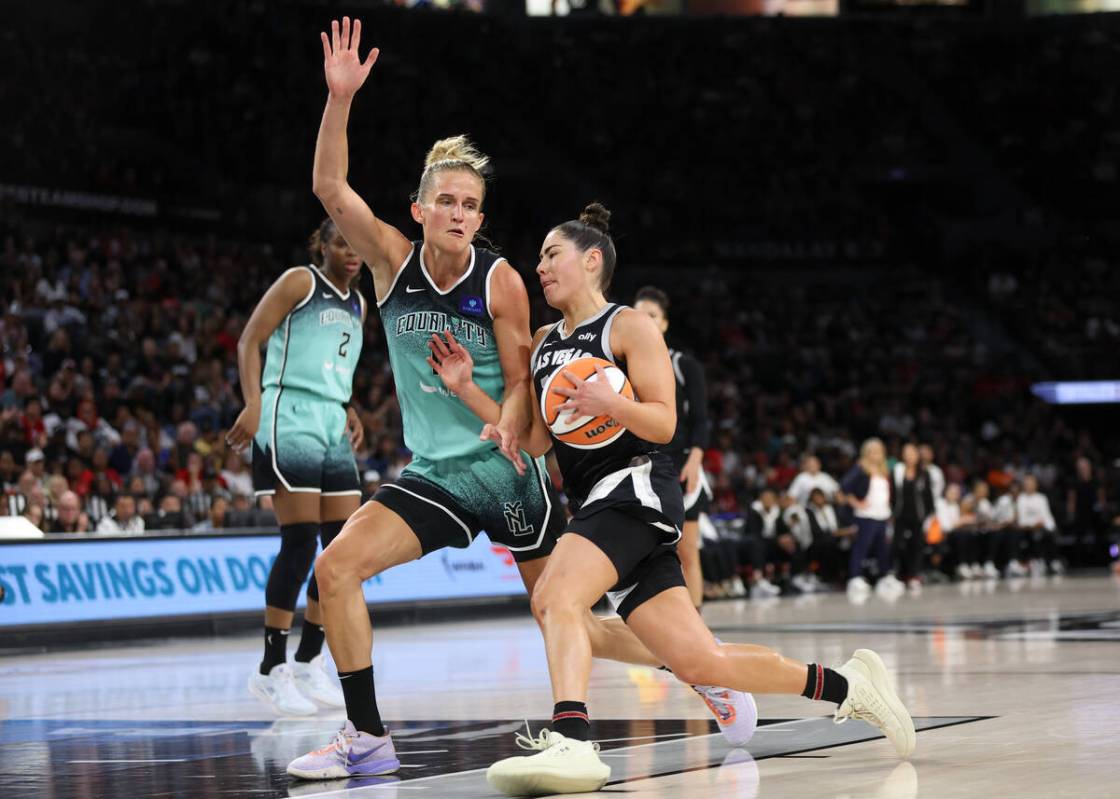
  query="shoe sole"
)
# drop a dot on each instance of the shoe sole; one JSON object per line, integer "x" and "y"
{"x": 535, "y": 782}
{"x": 337, "y": 772}
{"x": 877, "y": 673}
{"x": 268, "y": 700}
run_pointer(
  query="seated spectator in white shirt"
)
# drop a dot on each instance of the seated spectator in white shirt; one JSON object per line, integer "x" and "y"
{"x": 812, "y": 477}
{"x": 123, "y": 519}
{"x": 1033, "y": 511}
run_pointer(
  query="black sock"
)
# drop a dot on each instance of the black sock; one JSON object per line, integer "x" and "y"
{"x": 310, "y": 642}
{"x": 275, "y": 648}
{"x": 826, "y": 684}
{"x": 570, "y": 720}
{"x": 361, "y": 702}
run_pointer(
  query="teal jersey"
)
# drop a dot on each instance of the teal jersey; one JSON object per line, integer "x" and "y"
{"x": 437, "y": 425}
{"x": 317, "y": 346}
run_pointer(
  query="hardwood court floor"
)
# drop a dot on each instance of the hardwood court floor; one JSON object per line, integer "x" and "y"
{"x": 1014, "y": 686}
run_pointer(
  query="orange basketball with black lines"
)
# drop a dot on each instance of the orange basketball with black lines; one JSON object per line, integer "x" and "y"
{"x": 582, "y": 432}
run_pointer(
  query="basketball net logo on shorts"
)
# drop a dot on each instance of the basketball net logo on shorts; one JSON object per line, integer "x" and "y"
{"x": 515, "y": 519}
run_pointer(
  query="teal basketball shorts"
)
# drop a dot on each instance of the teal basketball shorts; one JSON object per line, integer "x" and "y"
{"x": 449, "y": 502}
{"x": 302, "y": 446}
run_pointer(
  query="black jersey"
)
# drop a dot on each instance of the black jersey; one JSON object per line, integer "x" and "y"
{"x": 627, "y": 470}
{"x": 692, "y": 407}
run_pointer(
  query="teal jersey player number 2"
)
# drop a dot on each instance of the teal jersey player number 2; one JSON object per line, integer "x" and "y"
{"x": 317, "y": 346}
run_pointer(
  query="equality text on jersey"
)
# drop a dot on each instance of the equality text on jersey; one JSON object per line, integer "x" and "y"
{"x": 336, "y": 316}
{"x": 439, "y": 321}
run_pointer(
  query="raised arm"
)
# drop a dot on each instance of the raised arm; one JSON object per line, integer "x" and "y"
{"x": 381, "y": 246}
{"x": 284, "y": 295}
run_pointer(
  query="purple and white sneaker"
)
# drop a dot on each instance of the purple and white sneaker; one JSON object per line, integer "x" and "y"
{"x": 350, "y": 754}
{"x": 735, "y": 712}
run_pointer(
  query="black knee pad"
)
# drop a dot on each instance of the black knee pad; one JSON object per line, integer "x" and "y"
{"x": 328, "y": 532}
{"x": 297, "y": 552}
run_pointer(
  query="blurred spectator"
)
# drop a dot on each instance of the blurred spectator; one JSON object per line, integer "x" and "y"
{"x": 9, "y": 472}
{"x": 1085, "y": 502}
{"x": 123, "y": 455}
{"x": 215, "y": 519}
{"x": 956, "y": 528}
{"x": 812, "y": 478}
{"x": 144, "y": 469}
{"x": 100, "y": 498}
{"x": 16, "y": 500}
{"x": 829, "y": 540}
{"x": 760, "y": 532}
{"x": 979, "y": 507}
{"x": 36, "y": 465}
{"x": 123, "y": 519}
{"x": 912, "y": 508}
{"x": 1032, "y": 509}
{"x": 168, "y": 515}
{"x": 70, "y": 518}
{"x": 236, "y": 475}
{"x": 936, "y": 475}
{"x": 868, "y": 491}
{"x": 371, "y": 481}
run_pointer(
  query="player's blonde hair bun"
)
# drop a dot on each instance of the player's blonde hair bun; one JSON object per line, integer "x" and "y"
{"x": 457, "y": 149}
{"x": 455, "y": 152}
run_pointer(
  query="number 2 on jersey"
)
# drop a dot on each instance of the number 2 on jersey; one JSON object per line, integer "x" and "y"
{"x": 344, "y": 344}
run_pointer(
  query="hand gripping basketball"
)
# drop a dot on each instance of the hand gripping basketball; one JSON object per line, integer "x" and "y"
{"x": 579, "y": 400}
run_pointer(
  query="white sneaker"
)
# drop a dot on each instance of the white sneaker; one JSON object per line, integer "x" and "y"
{"x": 990, "y": 571}
{"x": 1057, "y": 567}
{"x": 964, "y": 571}
{"x": 858, "y": 585}
{"x": 561, "y": 765}
{"x": 914, "y": 585}
{"x": 278, "y": 689}
{"x": 313, "y": 682}
{"x": 763, "y": 589}
{"x": 803, "y": 584}
{"x": 735, "y": 711}
{"x": 1038, "y": 567}
{"x": 1016, "y": 569}
{"x": 889, "y": 587}
{"x": 872, "y": 699}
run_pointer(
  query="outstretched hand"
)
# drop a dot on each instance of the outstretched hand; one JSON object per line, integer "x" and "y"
{"x": 508, "y": 445}
{"x": 344, "y": 69}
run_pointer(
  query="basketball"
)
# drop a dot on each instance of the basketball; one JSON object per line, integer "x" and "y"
{"x": 583, "y": 432}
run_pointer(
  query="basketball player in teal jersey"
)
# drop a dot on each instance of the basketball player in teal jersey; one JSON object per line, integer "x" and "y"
{"x": 303, "y": 437}
{"x": 457, "y": 485}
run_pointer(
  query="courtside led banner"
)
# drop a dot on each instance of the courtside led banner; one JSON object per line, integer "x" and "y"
{"x": 96, "y": 580}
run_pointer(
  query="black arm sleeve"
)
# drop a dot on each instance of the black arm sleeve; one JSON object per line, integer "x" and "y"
{"x": 697, "y": 392}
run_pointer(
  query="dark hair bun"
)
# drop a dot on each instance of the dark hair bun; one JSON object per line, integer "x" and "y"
{"x": 597, "y": 216}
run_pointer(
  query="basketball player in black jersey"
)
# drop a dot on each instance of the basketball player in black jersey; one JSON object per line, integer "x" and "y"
{"x": 689, "y": 441}
{"x": 628, "y": 509}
